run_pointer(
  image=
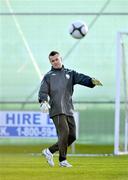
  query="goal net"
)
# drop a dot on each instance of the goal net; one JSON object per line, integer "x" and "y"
{"x": 121, "y": 101}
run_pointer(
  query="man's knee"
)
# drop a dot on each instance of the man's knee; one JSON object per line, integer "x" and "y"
{"x": 71, "y": 139}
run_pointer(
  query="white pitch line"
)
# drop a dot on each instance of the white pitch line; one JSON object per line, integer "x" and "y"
{"x": 24, "y": 40}
{"x": 76, "y": 155}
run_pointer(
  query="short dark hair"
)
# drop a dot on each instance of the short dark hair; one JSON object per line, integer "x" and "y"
{"x": 52, "y": 53}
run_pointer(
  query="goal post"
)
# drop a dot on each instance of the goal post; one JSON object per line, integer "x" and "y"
{"x": 121, "y": 101}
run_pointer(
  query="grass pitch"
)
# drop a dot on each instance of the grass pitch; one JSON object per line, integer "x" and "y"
{"x": 28, "y": 166}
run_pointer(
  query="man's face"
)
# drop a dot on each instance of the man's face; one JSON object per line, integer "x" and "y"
{"x": 56, "y": 61}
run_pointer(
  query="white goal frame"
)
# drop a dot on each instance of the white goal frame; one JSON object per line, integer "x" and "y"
{"x": 119, "y": 61}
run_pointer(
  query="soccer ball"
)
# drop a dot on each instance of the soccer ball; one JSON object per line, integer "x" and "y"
{"x": 78, "y": 29}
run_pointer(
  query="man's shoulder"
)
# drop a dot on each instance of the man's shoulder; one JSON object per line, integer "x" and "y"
{"x": 49, "y": 73}
{"x": 68, "y": 70}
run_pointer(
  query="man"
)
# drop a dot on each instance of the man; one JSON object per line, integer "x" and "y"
{"x": 57, "y": 86}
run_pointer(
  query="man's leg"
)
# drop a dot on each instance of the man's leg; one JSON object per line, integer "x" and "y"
{"x": 72, "y": 130}
{"x": 71, "y": 137}
{"x": 63, "y": 133}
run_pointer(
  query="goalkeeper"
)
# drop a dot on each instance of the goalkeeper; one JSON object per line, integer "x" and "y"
{"x": 57, "y": 87}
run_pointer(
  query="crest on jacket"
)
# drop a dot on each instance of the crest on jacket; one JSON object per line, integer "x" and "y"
{"x": 67, "y": 76}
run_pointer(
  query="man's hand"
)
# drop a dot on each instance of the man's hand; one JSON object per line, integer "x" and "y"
{"x": 44, "y": 107}
{"x": 96, "y": 82}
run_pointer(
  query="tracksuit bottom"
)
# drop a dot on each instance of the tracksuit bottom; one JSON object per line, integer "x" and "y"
{"x": 66, "y": 131}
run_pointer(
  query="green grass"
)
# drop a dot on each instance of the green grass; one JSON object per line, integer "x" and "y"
{"x": 18, "y": 163}
{"x": 27, "y": 167}
{"x": 79, "y": 149}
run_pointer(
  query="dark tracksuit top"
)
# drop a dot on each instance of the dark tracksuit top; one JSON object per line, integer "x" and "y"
{"x": 58, "y": 85}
